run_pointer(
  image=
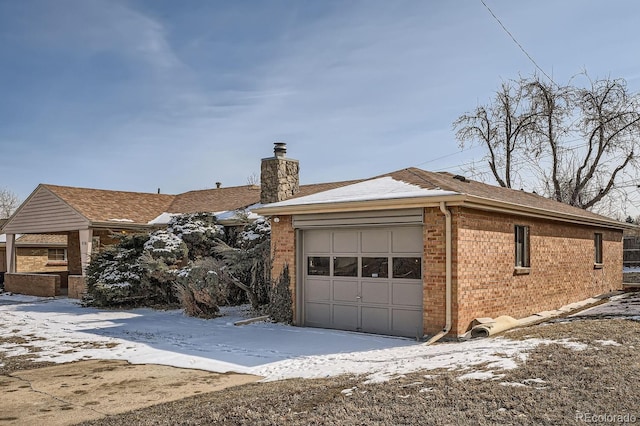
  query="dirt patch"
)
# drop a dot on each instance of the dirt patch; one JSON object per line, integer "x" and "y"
{"x": 86, "y": 390}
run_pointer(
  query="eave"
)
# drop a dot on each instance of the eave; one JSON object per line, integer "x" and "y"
{"x": 463, "y": 200}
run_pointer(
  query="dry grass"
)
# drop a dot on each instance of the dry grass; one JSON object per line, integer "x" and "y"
{"x": 553, "y": 386}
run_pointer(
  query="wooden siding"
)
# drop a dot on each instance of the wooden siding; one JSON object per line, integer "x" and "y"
{"x": 44, "y": 212}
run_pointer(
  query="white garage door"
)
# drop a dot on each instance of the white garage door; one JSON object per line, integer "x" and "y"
{"x": 366, "y": 280}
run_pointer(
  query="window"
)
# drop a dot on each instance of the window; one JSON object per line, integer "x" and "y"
{"x": 57, "y": 255}
{"x": 597, "y": 240}
{"x": 522, "y": 246}
{"x": 345, "y": 266}
{"x": 318, "y": 265}
{"x": 375, "y": 267}
{"x": 407, "y": 267}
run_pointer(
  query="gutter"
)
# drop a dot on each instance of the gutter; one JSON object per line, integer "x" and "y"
{"x": 449, "y": 253}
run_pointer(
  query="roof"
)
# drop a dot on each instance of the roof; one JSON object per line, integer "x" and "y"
{"x": 413, "y": 187}
{"x": 215, "y": 200}
{"x": 42, "y": 240}
{"x": 124, "y": 209}
{"x": 37, "y": 240}
{"x": 99, "y": 205}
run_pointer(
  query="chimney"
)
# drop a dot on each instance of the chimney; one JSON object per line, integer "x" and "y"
{"x": 279, "y": 176}
{"x": 218, "y": 184}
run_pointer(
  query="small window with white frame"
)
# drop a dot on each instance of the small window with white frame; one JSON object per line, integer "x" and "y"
{"x": 521, "y": 234}
{"x": 597, "y": 242}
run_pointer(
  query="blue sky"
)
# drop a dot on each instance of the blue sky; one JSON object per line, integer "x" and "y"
{"x": 135, "y": 95}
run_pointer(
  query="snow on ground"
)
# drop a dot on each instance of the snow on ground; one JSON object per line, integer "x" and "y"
{"x": 64, "y": 332}
{"x": 622, "y": 305}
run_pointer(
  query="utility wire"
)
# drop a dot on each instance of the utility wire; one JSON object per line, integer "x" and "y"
{"x": 517, "y": 43}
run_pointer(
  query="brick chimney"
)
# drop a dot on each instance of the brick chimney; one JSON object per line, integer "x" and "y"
{"x": 279, "y": 176}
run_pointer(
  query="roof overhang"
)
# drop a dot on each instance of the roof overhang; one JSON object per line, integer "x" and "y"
{"x": 463, "y": 200}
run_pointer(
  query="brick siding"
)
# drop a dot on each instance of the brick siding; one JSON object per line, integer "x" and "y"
{"x": 77, "y": 286}
{"x": 283, "y": 251}
{"x": 33, "y": 284}
{"x": 562, "y": 266}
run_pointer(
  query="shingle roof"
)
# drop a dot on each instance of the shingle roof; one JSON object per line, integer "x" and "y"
{"x": 42, "y": 240}
{"x": 378, "y": 192}
{"x": 446, "y": 181}
{"x": 215, "y": 200}
{"x": 99, "y": 205}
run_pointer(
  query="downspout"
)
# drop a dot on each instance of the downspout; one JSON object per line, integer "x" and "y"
{"x": 448, "y": 272}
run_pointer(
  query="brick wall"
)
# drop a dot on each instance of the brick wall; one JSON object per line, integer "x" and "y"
{"x": 73, "y": 253}
{"x": 77, "y": 286}
{"x": 33, "y": 284}
{"x": 562, "y": 266}
{"x": 283, "y": 251}
{"x": 36, "y": 260}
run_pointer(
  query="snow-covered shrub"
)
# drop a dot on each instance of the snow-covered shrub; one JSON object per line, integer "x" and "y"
{"x": 175, "y": 264}
{"x": 280, "y": 307}
{"x": 198, "y": 231}
{"x": 199, "y": 289}
{"x": 248, "y": 264}
{"x": 255, "y": 233}
{"x": 114, "y": 274}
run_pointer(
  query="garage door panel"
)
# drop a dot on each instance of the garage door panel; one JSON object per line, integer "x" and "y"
{"x": 375, "y": 292}
{"x": 345, "y": 291}
{"x": 345, "y": 242}
{"x": 317, "y": 241}
{"x": 345, "y": 317}
{"x": 375, "y": 319}
{"x": 375, "y": 241}
{"x": 318, "y": 290}
{"x": 409, "y": 294}
{"x": 406, "y": 322}
{"x": 406, "y": 240}
{"x": 317, "y": 314}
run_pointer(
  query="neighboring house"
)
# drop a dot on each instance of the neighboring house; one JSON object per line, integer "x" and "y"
{"x": 37, "y": 253}
{"x": 415, "y": 253}
{"x": 88, "y": 218}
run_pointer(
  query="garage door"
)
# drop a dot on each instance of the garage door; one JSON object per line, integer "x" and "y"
{"x": 366, "y": 280}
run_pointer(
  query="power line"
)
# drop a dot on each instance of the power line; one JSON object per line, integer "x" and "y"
{"x": 517, "y": 43}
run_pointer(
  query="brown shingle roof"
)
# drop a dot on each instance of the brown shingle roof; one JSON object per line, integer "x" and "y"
{"x": 215, "y": 200}
{"x": 99, "y": 205}
{"x": 42, "y": 240}
{"x": 446, "y": 181}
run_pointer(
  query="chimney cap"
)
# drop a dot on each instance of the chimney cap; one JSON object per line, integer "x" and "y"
{"x": 280, "y": 149}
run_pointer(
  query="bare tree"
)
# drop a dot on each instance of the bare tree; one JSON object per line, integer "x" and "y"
{"x": 502, "y": 127}
{"x": 253, "y": 179}
{"x": 9, "y": 202}
{"x": 575, "y": 142}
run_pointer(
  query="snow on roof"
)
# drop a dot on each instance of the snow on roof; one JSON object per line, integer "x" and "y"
{"x": 239, "y": 214}
{"x": 163, "y": 218}
{"x": 383, "y": 188}
{"x": 120, "y": 220}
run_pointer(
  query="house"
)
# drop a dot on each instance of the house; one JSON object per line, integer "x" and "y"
{"x": 88, "y": 218}
{"x": 417, "y": 253}
{"x": 37, "y": 253}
